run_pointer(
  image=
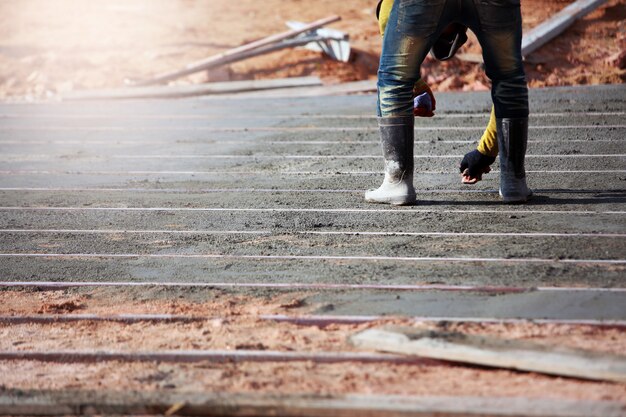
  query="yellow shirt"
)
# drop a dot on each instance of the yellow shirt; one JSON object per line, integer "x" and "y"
{"x": 383, "y": 17}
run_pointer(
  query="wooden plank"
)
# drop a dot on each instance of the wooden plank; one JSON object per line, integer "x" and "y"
{"x": 498, "y": 353}
{"x": 75, "y": 402}
{"x": 356, "y": 87}
{"x": 551, "y": 28}
{"x": 193, "y": 90}
{"x": 232, "y": 54}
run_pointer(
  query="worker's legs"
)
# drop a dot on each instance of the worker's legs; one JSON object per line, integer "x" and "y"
{"x": 411, "y": 29}
{"x": 498, "y": 26}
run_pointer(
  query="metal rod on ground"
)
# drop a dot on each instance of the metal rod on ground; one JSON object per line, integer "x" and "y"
{"x": 232, "y": 54}
{"x": 302, "y": 320}
{"x": 120, "y": 318}
{"x": 291, "y": 43}
{"x": 213, "y": 356}
{"x": 554, "y": 26}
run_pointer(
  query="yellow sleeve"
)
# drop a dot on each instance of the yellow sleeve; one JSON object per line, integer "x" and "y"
{"x": 383, "y": 17}
{"x": 489, "y": 141}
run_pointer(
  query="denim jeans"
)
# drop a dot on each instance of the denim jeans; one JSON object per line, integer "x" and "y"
{"x": 413, "y": 27}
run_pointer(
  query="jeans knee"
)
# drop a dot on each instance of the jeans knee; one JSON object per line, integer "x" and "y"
{"x": 395, "y": 99}
{"x": 399, "y": 70}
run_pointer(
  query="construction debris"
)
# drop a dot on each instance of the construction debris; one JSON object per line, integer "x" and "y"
{"x": 334, "y": 43}
{"x": 493, "y": 352}
{"x": 266, "y": 45}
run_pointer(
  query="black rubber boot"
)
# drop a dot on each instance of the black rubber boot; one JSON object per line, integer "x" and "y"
{"x": 396, "y": 138}
{"x": 512, "y": 140}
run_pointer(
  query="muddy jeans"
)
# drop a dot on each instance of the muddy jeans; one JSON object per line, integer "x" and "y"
{"x": 415, "y": 24}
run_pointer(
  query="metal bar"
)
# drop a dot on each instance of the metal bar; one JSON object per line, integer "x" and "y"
{"x": 215, "y": 356}
{"x": 295, "y": 285}
{"x": 234, "y": 54}
{"x": 118, "y": 318}
{"x": 301, "y": 320}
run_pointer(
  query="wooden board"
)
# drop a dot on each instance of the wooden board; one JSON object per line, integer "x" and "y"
{"x": 47, "y": 403}
{"x": 356, "y": 87}
{"x": 237, "y": 53}
{"x": 194, "y": 90}
{"x": 498, "y": 353}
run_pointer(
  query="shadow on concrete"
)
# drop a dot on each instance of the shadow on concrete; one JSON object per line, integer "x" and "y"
{"x": 537, "y": 200}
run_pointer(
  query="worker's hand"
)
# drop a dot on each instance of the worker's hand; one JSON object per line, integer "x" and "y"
{"x": 424, "y": 103}
{"x": 474, "y": 165}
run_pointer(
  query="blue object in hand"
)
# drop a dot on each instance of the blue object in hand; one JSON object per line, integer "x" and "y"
{"x": 423, "y": 101}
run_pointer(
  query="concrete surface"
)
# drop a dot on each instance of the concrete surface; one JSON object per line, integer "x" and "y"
{"x": 270, "y": 190}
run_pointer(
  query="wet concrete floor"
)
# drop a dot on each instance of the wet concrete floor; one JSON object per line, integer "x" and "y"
{"x": 240, "y": 190}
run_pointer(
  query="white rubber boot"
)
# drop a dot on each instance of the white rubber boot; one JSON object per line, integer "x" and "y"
{"x": 396, "y": 138}
{"x": 512, "y": 140}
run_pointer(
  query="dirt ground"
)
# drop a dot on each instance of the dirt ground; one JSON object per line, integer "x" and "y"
{"x": 233, "y": 323}
{"x": 51, "y": 47}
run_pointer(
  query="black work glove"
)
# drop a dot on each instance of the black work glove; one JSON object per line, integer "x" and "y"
{"x": 474, "y": 165}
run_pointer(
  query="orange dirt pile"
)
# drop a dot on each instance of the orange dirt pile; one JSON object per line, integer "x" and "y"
{"x": 51, "y": 47}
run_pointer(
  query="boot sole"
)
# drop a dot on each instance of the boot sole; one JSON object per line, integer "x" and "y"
{"x": 394, "y": 201}
{"x": 517, "y": 200}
